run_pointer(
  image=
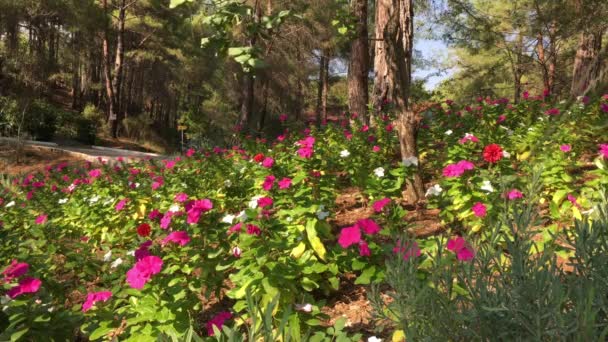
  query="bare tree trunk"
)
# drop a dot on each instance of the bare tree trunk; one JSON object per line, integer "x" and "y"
{"x": 76, "y": 87}
{"x": 325, "y": 85}
{"x": 395, "y": 23}
{"x": 552, "y": 56}
{"x": 118, "y": 67}
{"x": 320, "y": 87}
{"x": 359, "y": 63}
{"x": 542, "y": 60}
{"x": 586, "y": 62}
{"x": 248, "y": 94}
{"x": 112, "y": 107}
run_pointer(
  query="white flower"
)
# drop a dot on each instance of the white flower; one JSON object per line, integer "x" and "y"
{"x": 62, "y": 201}
{"x": 108, "y": 201}
{"x": 108, "y": 256}
{"x": 254, "y": 202}
{"x": 10, "y": 204}
{"x": 174, "y": 208}
{"x": 4, "y": 300}
{"x": 94, "y": 199}
{"x": 379, "y": 172}
{"x": 228, "y": 218}
{"x": 236, "y": 251}
{"x": 304, "y": 307}
{"x": 289, "y": 219}
{"x": 71, "y": 187}
{"x": 374, "y": 339}
{"x": 449, "y": 132}
{"x": 116, "y": 263}
{"x": 588, "y": 212}
{"x": 434, "y": 190}
{"x": 227, "y": 183}
{"x": 506, "y": 154}
{"x": 131, "y": 253}
{"x": 322, "y": 215}
{"x": 242, "y": 216}
{"x": 344, "y": 153}
{"x": 137, "y": 185}
{"x": 409, "y": 161}
{"x": 487, "y": 186}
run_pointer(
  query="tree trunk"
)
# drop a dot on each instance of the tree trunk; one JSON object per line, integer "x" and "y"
{"x": 325, "y": 85}
{"x": 542, "y": 60}
{"x": 517, "y": 68}
{"x": 112, "y": 107}
{"x": 248, "y": 94}
{"x": 118, "y": 67}
{"x": 586, "y": 62}
{"x": 320, "y": 87}
{"x": 394, "y": 20}
{"x": 359, "y": 63}
{"x": 552, "y": 56}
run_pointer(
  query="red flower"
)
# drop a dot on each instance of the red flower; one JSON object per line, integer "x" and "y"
{"x": 143, "y": 230}
{"x": 492, "y": 153}
{"x": 258, "y": 158}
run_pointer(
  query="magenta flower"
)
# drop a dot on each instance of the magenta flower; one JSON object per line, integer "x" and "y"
{"x": 364, "y": 249}
{"x": 501, "y": 118}
{"x": 15, "y": 270}
{"x": 468, "y": 137}
{"x": 143, "y": 250}
{"x": 217, "y": 321}
{"x": 252, "y": 229}
{"x": 268, "y": 183}
{"x": 41, "y": 219}
{"x": 463, "y": 251}
{"x": 265, "y": 202}
{"x": 380, "y": 204}
{"x": 604, "y": 107}
{"x": 565, "y": 148}
{"x": 376, "y": 148}
{"x": 121, "y": 204}
{"x": 349, "y": 236}
{"x": 143, "y": 270}
{"x": 572, "y": 200}
{"x": 268, "y": 162}
{"x": 169, "y": 164}
{"x": 604, "y": 150}
{"x": 368, "y": 226}
{"x": 408, "y": 251}
{"x": 26, "y": 285}
{"x": 95, "y": 173}
{"x": 190, "y": 152}
{"x": 305, "y": 152}
{"x": 479, "y": 209}
{"x": 306, "y": 147}
{"x": 552, "y": 111}
{"x": 95, "y": 297}
{"x": 457, "y": 169}
{"x": 283, "y": 117}
{"x": 181, "y": 238}
{"x": 165, "y": 221}
{"x": 181, "y": 197}
{"x": 194, "y": 210}
{"x": 514, "y": 194}
{"x": 236, "y": 228}
{"x": 285, "y": 183}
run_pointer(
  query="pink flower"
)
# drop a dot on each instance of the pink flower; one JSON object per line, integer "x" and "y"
{"x": 165, "y": 221}
{"x": 457, "y": 169}
{"x": 604, "y": 107}
{"x": 349, "y": 236}
{"x": 514, "y": 194}
{"x": 142, "y": 251}
{"x": 268, "y": 162}
{"x": 181, "y": 197}
{"x": 121, "y": 204}
{"x": 552, "y": 111}
{"x": 408, "y": 251}
{"x": 283, "y": 117}
{"x": 565, "y": 148}
{"x": 26, "y": 285}
{"x": 380, "y": 204}
{"x": 604, "y": 150}
{"x": 285, "y": 183}
{"x": 468, "y": 137}
{"x": 501, "y": 118}
{"x": 479, "y": 209}
{"x": 190, "y": 152}
{"x": 41, "y": 219}
{"x": 305, "y": 152}
{"x": 268, "y": 183}
{"x": 217, "y": 321}
{"x": 463, "y": 251}
{"x": 196, "y": 208}
{"x": 143, "y": 270}
{"x": 169, "y": 164}
{"x": 180, "y": 237}
{"x": 572, "y": 200}
{"x": 376, "y": 148}
{"x": 364, "y": 249}
{"x": 95, "y": 173}
{"x": 236, "y": 228}
{"x": 253, "y": 230}
{"x": 154, "y": 214}
{"x": 236, "y": 252}
{"x": 306, "y": 147}
{"x": 95, "y": 297}
{"x": 368, "y": 226}
{"x": 265, "y": 202}
{"x": 15, "y": 270}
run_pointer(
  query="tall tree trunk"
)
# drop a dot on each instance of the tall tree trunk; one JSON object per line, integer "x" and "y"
{"x": 118, "y": 67}
{"x": 517, "y": 68}
{"x": 552, "y": 56}
{"x": 112, "y": 106}
{"x": 542, "y": 60}
{"x": 320, "y": 87}
{"x": 325, "y": 87}
{"x": 395, "y": 23}
{"x": 359, "y": 63}
{"x": 76, "y": 88}
{"x": 586, "y": 62}
{"x": 248, "y": 94}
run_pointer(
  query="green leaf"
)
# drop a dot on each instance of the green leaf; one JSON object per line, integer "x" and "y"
{"x": 366, "y": 277}
{"x": 17, "y": 335}
{"x": 175, "y": 3}
{"x": 314, "y": 240}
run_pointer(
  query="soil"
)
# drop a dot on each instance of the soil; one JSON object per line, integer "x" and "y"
{"x": 15, "y": 161}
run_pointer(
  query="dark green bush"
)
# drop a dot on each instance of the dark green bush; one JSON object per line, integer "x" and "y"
{"x": 85, "y": 131}
{"x": 41, "y": 120}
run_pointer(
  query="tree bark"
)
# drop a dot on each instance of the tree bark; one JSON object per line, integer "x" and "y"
{"x": 552, "y": 56}
{"x": 320, "y": 87}
{"x": 246, "y": 116}
{"x": 586, "y": 62}
{"x": 359, "y": 64}
{"x": 542, "y": 60}
{"x": 118, "y": 67}
{"x": 111, "y": 99}
{"x": 395, "y": 23}
{"x": 325, "y": 85}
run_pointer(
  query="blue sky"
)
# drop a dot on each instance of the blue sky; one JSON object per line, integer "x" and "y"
{"x": 432, "y": 49}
